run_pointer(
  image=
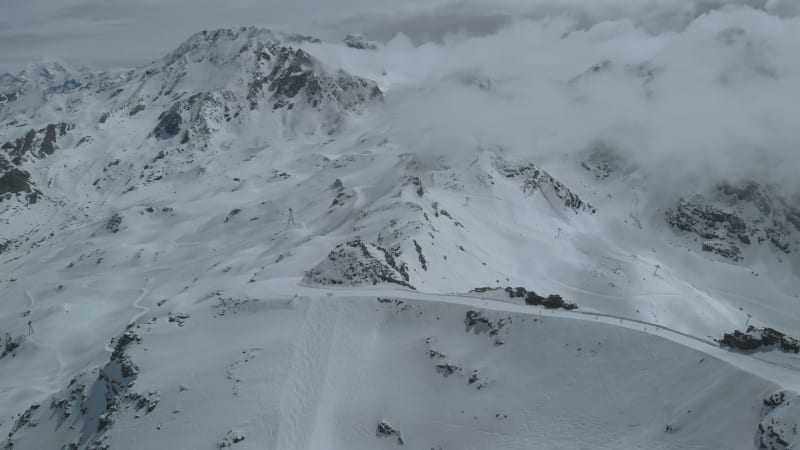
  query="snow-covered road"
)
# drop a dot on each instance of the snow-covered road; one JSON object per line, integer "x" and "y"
{"x": 786, "y": 377}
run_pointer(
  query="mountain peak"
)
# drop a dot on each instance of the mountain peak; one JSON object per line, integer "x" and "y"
{"x": 251, "y": 69}
{"x": 47, "y": 74}
{"x": 9, "y": 84}
{"x": 223, "y": 40}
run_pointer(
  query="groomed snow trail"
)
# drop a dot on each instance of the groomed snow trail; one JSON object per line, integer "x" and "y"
{"x": 785, "y": 377}
{"x": 306, "y": 376}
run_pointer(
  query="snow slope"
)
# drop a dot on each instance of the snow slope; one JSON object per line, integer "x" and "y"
{"x": 323, "y": 371}
{"x": 202, "y": 246}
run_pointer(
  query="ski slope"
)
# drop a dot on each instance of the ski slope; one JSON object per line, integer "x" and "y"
{"x": 265, "y": 240}
{"x": 321, "y": 370}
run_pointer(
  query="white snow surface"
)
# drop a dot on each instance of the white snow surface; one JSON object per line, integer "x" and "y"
{"x": 248, "y": 328}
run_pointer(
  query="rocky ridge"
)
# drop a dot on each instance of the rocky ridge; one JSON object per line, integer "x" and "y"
{"x": 736, "y": 217}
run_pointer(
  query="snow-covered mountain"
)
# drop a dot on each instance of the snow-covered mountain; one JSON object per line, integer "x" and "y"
{"x": 265, "y": 240}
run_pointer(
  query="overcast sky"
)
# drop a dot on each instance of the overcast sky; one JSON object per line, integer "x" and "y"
{"x": 113, "y": 33}
{"x": 124, "y": 32}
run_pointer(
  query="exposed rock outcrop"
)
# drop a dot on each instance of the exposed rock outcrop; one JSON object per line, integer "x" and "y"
{"x": 356, "y": 262}
{"x": 15, "y": 182}
{"x": 733, "y": 218}
{"x": 534, "y": 179}
{"x": 275, "y": 73}
{"x": 385, "y": 430}
{"x": 359, "y": 42}
{"x": 36, "y": 143}
{"x": 169, "y": 123}
{"x": 603, "y": 161}
{"x": 778, "y": 428}
{"x": 93, "y": 400}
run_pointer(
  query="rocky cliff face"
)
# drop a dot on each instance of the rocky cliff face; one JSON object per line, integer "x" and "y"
{"x": 734, "y": 218}
{"x": 533, "y": 179}
{"x": 217, "y": 76}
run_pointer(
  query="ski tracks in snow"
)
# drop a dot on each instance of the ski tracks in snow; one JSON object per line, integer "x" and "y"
{"x": 31, "y": 300}
{"x": 306, "y": 375}
{"x": 38, "y": 343}
{"x": 137, "y": 304}
{"x": 785, "y": 377}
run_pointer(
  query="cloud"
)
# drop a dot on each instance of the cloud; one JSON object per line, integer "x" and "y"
{"x": 687, "y": 90}
{"x": 116, "y": 32}
{"x": 712, "y": 99}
